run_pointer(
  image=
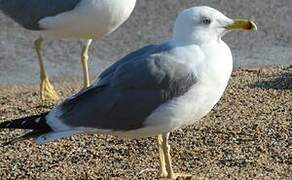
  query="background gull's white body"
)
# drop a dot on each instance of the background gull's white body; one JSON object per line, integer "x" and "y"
{"x": 100, "y": 17}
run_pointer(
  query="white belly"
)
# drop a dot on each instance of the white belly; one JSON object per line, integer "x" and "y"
{"x": 90, "y": 19}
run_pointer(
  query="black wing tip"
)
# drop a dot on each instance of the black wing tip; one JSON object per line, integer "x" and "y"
{"x": 5, "y": 124}
{"x": 36, "y": 122}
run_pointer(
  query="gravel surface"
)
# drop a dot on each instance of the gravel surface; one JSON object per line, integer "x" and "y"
{"x": 151, "y": 22}
{"x": 246, "y": 136}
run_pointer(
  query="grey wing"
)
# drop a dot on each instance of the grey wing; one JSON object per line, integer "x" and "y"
{"x": 135, "y": 90}
{"x": 29, "y": 12}
{"x": 140, "y": 54}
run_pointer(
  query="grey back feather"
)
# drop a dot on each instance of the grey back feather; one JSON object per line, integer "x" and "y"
{"x": 139, "y": 54}
{"x": 28, "y": 12}
{"x": 131, "y": 90}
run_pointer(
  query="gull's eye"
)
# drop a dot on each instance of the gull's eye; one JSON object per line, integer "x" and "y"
{"x": 206, "y": 20}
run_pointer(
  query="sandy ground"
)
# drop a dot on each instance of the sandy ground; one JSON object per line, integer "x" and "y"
{"x": 151, "y": 22}
{"x": 246, "y": 136}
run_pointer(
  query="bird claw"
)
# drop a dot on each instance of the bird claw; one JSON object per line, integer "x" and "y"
{"x": 48, "y": 92}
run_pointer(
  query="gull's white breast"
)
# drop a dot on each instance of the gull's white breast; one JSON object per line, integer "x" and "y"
{"x": 90, "y": 19}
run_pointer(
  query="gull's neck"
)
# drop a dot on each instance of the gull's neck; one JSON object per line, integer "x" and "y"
{"x": 183, "y": 36}
{"x": 183, "y": 41}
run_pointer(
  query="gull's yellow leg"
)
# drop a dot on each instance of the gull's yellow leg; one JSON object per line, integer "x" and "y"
{"x": 163, "y": 172}
{"x": 84, "y": 61}
{"x": 165, "y": 159}
{"x": 47, "y": 90}
{"x": 164, "y": 151}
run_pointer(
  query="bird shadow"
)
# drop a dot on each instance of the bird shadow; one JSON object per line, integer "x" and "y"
{"x": 281, "y": 82}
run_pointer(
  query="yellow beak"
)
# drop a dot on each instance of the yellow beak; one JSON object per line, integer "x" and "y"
{"x": 242, "y": 24}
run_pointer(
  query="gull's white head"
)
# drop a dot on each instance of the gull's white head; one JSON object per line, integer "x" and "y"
{"x": 204, "y": 24}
